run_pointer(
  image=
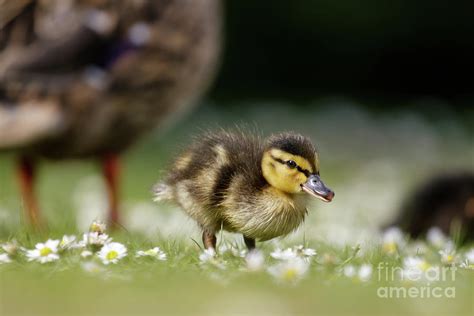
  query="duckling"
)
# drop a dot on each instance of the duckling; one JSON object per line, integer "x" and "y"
{"x": 242, "y": 183}
{"x": 440, "y": 202}
{"x": 86, "y": 79}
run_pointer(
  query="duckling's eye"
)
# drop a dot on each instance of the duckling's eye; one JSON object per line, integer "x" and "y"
{"x": 291, "y": 164}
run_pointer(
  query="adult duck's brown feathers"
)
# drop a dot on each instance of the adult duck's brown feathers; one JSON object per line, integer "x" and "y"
{"x": 86, "y": 78}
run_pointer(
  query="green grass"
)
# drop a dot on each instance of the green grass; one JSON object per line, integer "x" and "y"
{"x": 363, "y": 155}
{"x": 183, "y": 285}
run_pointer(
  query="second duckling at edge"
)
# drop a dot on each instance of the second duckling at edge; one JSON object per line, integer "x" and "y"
{"x": 243, "y": 184}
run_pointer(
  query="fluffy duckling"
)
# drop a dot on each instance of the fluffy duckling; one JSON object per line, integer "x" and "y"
{"x": 243, "y": 184}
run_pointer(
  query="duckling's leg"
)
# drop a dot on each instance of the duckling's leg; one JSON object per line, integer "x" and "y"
{"x": 250, "y": 243}
{"x": 111, "y": 172}
{"x": 209, "y": 239}
{"x": 26, "y": 176}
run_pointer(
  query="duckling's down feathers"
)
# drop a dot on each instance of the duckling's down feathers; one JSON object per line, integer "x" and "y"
{"x": 218, "y": 181}
{"x": 225, "y": 154}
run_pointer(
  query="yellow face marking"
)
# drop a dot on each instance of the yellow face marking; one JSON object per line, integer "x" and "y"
{"x": 300, "y": 161}
{"x": 279, "y": 175}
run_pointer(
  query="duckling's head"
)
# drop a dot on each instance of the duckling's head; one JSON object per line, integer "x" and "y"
{"x": 290, "y": 164}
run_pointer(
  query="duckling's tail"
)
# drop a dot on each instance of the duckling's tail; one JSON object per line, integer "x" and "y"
{"x": 161, "y": 192}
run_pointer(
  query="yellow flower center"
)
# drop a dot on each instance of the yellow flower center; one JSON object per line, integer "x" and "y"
{"x": 449, "y": 258}
{"x": 111, "y": 255}
{"x": 45, "y": 251}
{"x": 290, "y": 274}
{"x": 389, "y": 247}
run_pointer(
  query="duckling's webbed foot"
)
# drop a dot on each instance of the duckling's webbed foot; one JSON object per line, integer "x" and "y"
{"x": 209, "y": 240}
{"x": 250, "y": 243}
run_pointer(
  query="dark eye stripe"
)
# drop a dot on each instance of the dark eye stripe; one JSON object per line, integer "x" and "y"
{"x": 279, "y": 160}
{"x": 304, "y": 171}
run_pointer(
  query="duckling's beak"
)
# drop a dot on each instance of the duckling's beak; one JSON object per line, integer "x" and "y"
{"x": 315, "y": 187}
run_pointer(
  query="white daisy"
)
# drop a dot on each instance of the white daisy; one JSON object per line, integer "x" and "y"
{"x": 349, "y": 271}
{"x": 68, "y": 242}
{"x": 287, "y": 254}
{"x": 207, "y": 255}
{"x": 98, "y": 227}
{"x": 209, "y": 258}
{"x": 95, "y": 239}
{"x": 289, "y": 270}
{"x": 305, "y": 252}
{"x": 4, "y": 258}
{"x": 436, "y": 237}
{"x": 292, "y": 253}
{"x": 468, "y": 263}
{"x": 11, "y": 247}
{"x": 362, "y": 273}
{"x": 255, "y": 260}
{"x": 112, "y": 252}
{"x": 365, "y": 272}
{"x": 448, "y": 256}
{"x": 156, "y": 253}
{"x": 393, "y": 240}
{"x": 44, "y": 252}
{"x": 470, "y": 256}
{"x": 233, "y": 249}
{"x": 414, "y": 268}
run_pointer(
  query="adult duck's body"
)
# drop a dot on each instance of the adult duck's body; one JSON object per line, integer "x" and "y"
{"x": 85, "y": 79}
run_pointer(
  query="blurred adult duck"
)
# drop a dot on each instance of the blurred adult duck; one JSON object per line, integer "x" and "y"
{"x": 87, "y": 78}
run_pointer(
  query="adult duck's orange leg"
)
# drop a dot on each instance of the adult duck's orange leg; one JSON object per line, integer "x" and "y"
{"x": 111, "y": 172}
{"x": 26, "y": 176}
